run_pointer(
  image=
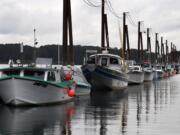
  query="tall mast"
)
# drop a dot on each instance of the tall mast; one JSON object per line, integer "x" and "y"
{"x": 125, "y": 38}
{"x": 167, "y": 53}
{"x": 140, "y": 43}
{"x": 162, "y": 51}
{"x": 35, "y": 43}
{"x": 149, "y": 45}
{"x": 156, "y": 48}
{"x": 68, "y": 55}
{"x": 102, "y": 26}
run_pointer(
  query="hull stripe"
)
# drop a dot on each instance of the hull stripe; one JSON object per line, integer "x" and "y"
{"x": 109, "y": 75}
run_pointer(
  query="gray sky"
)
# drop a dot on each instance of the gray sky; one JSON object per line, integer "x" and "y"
{"x": 19, "y": 17}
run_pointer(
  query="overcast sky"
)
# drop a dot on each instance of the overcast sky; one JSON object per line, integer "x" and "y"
{"x": 18, "y": 18}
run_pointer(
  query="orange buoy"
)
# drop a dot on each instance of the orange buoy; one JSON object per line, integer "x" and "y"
{"x": 71, "y": 93}
{"x": 67, "y": 77}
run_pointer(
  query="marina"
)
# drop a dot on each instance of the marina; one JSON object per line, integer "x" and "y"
{"x": 116, "y": 85}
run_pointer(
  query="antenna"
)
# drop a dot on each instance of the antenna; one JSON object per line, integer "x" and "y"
{"x": 35, "y": 44}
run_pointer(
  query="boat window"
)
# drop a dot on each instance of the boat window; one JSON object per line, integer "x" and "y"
{"x": 12, "y": 72}
{"x": 91, "y": 60}
{"x": 104, "y": 61}
{"x": 51, "y": 76}
{"x": 136, "y": 68}
{"x": 37, "y": 74}
{"x": 113, "y": 61}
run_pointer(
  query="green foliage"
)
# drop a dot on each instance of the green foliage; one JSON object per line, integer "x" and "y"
{"x": 12, "y": 51}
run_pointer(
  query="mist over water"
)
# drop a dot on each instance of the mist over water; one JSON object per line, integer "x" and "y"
{"x": 151, "y": 108}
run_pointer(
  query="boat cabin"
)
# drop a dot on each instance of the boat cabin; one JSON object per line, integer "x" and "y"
{"x": 135, "y": 68}
{"x": 38, "y": 73}
{"x": 105, "y": 60}
{"x": 132, "y": 66}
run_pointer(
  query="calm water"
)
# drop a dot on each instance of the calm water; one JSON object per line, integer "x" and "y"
{"x": 148, "y": 109}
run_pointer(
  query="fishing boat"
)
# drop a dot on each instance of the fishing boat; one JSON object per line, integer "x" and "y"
{"x": 158, "y": 72}
{"x": 34, "y": 86}
{"x": 106, "y": 71}
{"x": 82, "y": 86}
{"x": 177, "y": 68}
{"x": 135, "y": 73}
{"x": 148, "y": 72}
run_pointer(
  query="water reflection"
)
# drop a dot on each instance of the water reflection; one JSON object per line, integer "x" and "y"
{"x": 140, "y": 109}
{"x": 38, "y": 120}
{"x": 104, "y": 109}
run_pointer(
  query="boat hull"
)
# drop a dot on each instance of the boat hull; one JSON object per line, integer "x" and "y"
{"x": 87, "y": 71}
{"x": 29, "y": 92}
{"x": 82, "y": 90}
{"x": 135, "y": 77}
{"x": 106, "y": 80}
{"x": 148, "y": 76}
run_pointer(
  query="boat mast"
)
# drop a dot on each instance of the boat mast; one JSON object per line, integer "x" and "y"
{"x": 167, "y": 53}
{"x": 140, "y": 44}
{"x": 104, "y": 28}
{"x": 162, "y": 51}
{"x": 156, "y": 48}
{"x": 125, "y": 38}
{"x": 149, "y": 46}
{"x": 121, "y": 42}
{"x": 68, "y": 55}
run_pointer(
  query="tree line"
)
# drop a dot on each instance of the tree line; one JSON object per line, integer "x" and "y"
{"x": 12, "y": 51}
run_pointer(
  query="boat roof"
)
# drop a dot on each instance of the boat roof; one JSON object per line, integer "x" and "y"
{"x": 29, "y": 68}
{"x": 136, "y": 66}
{"x": 106, "y": 54}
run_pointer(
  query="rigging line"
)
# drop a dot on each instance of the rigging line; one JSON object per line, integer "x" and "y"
{"x": 97, "y": 2}
{"x": 93, "y": 3}
{"x": 90, "y": 4}
{"x": 113, "y": 12}
{"x": 132, "y": 19}
{"x": 111, "y": 9}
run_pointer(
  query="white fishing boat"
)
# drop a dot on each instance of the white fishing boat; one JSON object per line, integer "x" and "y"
{"x": 135, "y": 73}
{"x": 34, "y": 86}
{"x": 106, "y": 71}
{"x": 82, "y": 86}
{"x": 158, "y": 72}
{"x": 148, "y": 72}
